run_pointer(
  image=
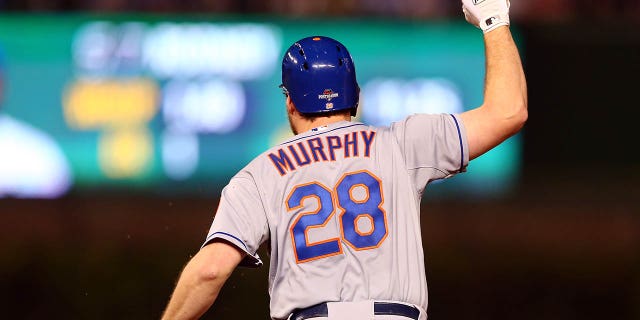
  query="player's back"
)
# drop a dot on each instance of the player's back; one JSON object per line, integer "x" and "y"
{"x": 342, "y": 207}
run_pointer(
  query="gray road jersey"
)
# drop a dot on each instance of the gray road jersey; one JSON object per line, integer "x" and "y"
{"x": 340, "y": 207}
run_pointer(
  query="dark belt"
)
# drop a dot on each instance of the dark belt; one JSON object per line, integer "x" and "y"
{"x": 379, "y": 309}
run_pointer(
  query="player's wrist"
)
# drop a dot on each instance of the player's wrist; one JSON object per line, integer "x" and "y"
{"x": 487, "y": 15}
{"x": 494, "y": 22}
{"x": 499, "y": 34}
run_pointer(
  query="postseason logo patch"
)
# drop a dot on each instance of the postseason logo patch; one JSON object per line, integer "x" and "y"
{"x": 328, "y": 94}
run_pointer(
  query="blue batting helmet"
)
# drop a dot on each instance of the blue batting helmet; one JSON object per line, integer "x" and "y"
{"x": 319, "y": 76}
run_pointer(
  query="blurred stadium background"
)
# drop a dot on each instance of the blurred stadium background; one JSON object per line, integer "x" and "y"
{"x": 120, "y": 121}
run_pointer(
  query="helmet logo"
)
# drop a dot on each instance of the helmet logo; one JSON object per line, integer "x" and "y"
{"x": 328, "y": 94}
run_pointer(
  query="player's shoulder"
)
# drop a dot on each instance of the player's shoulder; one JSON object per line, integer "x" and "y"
{"x": 256, "y": 167}
{"x": 421, "y": 122}
{"x": 423, "y": 118}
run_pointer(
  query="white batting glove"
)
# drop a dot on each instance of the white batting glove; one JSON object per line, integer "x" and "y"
{"x": 486, "y": 14}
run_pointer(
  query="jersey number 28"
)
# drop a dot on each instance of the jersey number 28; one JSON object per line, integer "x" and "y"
{"x": 352, "y": 210}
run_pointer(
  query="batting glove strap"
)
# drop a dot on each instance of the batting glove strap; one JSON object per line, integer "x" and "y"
{"x": 486, "y": 14}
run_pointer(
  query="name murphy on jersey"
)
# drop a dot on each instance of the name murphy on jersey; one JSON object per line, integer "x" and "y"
{"x": 324, "y": 148}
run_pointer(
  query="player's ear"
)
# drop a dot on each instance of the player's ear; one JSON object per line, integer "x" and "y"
{"x": 291, "y": 108}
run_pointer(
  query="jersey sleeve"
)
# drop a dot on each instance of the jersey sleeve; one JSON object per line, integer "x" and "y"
{"x": 241, "y": 218}
{"x": 434, "y": 146}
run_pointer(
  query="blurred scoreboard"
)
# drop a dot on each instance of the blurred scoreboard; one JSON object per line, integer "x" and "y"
{"x": 177, "y": 105}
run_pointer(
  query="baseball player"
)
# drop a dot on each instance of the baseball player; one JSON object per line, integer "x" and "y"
{"x": 339, "y": 202}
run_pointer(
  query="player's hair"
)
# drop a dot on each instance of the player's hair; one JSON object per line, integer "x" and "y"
{"x": 311, "y": 116}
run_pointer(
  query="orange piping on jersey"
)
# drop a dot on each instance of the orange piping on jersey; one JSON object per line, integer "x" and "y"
{"x": 373, "y": 227}
{"x": 353, "y": 143}
{"x": 384, "y": 213}
{"x": 354, "y": 199}
{"x": 332, "y": 146}
{"x": 306, "y": 238}
{"x": 367, "y": 142}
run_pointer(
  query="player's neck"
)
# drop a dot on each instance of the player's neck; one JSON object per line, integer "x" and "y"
{"x": 305, "y": 125}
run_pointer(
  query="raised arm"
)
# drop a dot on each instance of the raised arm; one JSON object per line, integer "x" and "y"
{"x": 201, "y": 280}
{"x": 504, "y": 110}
